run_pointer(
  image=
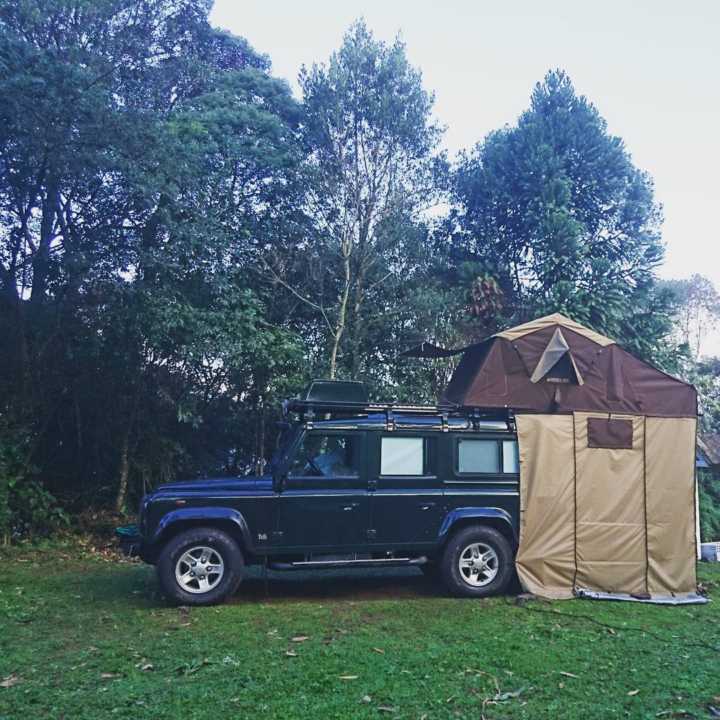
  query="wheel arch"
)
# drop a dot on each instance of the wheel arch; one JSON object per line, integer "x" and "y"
{"x": 228, "y": 520}
{"x": 461, "y": 518}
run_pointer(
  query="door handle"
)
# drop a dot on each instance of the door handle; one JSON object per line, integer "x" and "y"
{"x": 351, "y": 506}
{"x": 427, "y": 506}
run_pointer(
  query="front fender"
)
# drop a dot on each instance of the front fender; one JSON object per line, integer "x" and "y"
{"x": 476, "y": 513}
{"x": 201, "y": 514}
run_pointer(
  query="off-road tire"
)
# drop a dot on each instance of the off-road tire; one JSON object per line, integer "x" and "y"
{"x": 221, "y": 543}
{"x": 457, "y": 544}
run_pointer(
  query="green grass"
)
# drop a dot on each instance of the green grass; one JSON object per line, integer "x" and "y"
{"x": 84, "y": 636}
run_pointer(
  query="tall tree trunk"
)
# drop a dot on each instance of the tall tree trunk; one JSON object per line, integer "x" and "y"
{"x": 260, "y": 444}
{"x": 124, "y": 473}
{"x": 342, "y": 310}
{"x": 41, "y": 260}
{"x": 124, "y": 470}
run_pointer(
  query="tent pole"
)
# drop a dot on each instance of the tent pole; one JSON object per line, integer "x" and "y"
{"x": 575, "y": 573}
{"x": 645, "y": 513}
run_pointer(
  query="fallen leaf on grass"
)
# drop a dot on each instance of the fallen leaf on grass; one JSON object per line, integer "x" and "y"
{"x": 380, "y": 651}
{"x": 633, "y": 692}
{"x": 147, "y": 666}
{"x": 299, "y": 638}
{"x": 291, "y": 653}
{"x": 109, "y": 676}
{"x": 10, "y": 680}
{"x": 366, "y": 699}
{"x": 386, "y": 709}
{"x": 191, "y": 668}
{"x": 349, "y": 677}
{"x": 567, "y": 674}
{"x": 511, "y": 695}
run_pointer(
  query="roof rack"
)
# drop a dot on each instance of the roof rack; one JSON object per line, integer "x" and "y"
{"x": 350, "y": 398}
{"x": 310, "y": 409}
{"x": 336, "y": 406}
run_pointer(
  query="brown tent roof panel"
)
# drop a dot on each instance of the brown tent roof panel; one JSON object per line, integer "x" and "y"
{"x": 554, "y": 364}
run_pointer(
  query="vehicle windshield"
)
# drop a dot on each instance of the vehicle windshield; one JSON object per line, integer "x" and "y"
{"x": 284, "y": 442}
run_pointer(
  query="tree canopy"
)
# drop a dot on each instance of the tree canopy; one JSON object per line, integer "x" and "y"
{"x": 556, "y": 210}
{"x": 183, "y": 242}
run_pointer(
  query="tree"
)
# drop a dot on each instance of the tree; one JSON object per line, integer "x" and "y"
{"x": 144, "y": 158}
{"x": 698, "y": 310}
{"x": 555, "y": 209}
{"x": 372, "y": 145}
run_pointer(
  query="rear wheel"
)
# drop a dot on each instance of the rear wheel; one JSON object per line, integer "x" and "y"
{"x": 477, "y": 562}
{"x": 200, "y": 566}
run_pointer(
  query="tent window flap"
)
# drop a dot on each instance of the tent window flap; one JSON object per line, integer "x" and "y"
{"x": 611, "y": 433}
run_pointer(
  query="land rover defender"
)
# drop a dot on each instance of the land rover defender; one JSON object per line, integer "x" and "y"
{"x": 352, "y": 484}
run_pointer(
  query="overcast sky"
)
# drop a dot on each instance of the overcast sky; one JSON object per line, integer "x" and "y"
{"x": 651, "y": 68}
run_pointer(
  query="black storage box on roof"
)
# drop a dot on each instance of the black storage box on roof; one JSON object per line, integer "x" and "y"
{"x": 335, "y": 391}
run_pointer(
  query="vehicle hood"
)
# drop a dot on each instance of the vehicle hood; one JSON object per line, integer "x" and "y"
{"x": 248, "y": 484}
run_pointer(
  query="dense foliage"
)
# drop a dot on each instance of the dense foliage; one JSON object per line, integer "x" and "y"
{"x": 183, "y": 243}
{"x": 556, "y": 210}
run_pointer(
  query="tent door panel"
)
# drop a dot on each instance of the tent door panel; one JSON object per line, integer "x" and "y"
{"x": 610, "y": 512}
{"x": 545, "y": 559}
{"x": 671, "y": 503}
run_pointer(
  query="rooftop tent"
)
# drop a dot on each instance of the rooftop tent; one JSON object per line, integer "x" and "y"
{"x": 554, "y": 364}
{"x": 607, "y": 452}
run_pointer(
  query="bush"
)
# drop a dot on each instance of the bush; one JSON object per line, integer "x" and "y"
{"x": 709, "y": 496}
{"x": 26, "y": 507}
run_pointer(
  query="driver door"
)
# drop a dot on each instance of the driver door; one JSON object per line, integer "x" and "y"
{"x": 324, "y": 504}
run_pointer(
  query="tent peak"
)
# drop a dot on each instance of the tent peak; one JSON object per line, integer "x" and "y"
{"x": 550, "y": 361}
{"x": 554, "y": 319}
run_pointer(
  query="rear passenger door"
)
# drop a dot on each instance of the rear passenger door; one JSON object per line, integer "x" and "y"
{"x": 484, "y": 472}
{"x": 406, "y": 494}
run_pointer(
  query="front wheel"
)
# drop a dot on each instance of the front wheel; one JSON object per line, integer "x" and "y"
{"x": 477, "y": 562}
{"x": 200, "y": 566}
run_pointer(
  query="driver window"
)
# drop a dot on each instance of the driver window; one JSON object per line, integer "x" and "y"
{"x": 326, "y": 456}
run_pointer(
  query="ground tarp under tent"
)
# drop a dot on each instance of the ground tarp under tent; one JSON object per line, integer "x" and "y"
{"x": 607, "y": 453}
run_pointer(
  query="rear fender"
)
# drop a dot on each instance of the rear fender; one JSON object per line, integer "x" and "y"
{"x": 495, "y": 517}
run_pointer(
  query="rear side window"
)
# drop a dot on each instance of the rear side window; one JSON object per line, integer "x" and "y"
{"x": 511, "y": 460}
{"x": 478, "y": 456}
{"x": 486, "y": 456}
{"x": 404, "y": 456}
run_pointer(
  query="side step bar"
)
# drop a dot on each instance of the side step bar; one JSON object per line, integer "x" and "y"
{"x": 364, "y": 562}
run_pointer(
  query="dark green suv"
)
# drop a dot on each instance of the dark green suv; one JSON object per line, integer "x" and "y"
{"x": 353, "y": 484}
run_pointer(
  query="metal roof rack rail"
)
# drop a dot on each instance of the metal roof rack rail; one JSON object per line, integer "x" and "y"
{"x": 314, "y": 408}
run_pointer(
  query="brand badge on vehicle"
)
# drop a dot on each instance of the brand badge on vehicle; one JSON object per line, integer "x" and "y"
{"x": 262, "y": 536}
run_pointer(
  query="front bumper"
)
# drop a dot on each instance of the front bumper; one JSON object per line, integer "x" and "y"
{"x": 129, "y": 539}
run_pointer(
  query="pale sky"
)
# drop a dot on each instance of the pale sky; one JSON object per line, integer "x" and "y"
{"x": 651, "y": 68}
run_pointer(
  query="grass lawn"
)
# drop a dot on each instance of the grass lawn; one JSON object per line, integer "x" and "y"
{"x": 87, "y": 636}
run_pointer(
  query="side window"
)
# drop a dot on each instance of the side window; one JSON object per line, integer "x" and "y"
{"x": 511, "y": 459}
{"x": 405, "y": 456}
{"x": 322, "y": 455}
{"x": 478, "y": 456}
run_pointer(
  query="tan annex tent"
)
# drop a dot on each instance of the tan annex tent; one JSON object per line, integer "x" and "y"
{"x": 607, "y": 461}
